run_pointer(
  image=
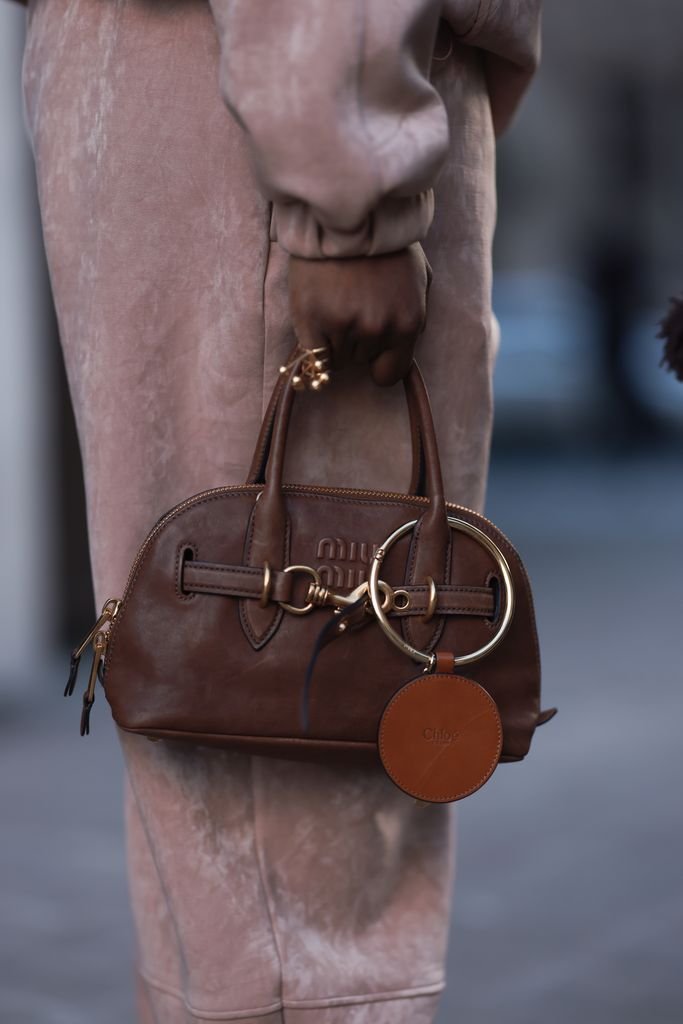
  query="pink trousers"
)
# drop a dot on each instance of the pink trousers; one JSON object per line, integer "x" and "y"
{"x": 262, "y": 890}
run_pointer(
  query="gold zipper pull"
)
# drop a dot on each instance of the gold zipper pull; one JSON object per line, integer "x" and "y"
{"x": 108, "y": 614}
{"x": 99, "y": 646}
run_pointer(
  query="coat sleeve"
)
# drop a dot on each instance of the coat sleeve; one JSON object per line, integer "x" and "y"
{"x": 346, "y": 132}
{"x": 508, "y": 33}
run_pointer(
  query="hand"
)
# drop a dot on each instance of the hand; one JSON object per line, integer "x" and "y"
{"x": 365, "y": 310}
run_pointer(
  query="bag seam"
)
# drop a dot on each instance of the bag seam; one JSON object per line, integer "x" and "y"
{"x": 258, "y": 849}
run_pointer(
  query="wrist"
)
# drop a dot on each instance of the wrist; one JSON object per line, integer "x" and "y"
{"x": 392, "y": 226}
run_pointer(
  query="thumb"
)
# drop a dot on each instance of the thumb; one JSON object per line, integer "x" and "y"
{"x": 391, "y": 366}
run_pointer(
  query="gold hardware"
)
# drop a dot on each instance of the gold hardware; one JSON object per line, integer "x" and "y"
{"x": 431, "y": 604}
{"x": 267, "y": 584}
{"x": 110, "y": 610}
{"x": 508, "y": 597}
{"x": 309, "y": 604}
{"x": 387, "y": 594}
{"x": 322, "y": 596}
{"x": 99, "y": 638}
{"x": 348, "y": 492}
{"x": 312, "y": 370}
{"x": 404, "y": 602}
{"x": 99, "y": 646}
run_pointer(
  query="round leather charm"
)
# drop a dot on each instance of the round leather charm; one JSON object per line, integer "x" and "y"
{"x": 440, "y": 737}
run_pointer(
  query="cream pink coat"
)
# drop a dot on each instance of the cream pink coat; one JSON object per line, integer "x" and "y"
{"x": 263, "y": 890}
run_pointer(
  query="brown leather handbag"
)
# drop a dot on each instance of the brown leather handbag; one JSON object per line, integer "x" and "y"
{"x": 286, "y": 620}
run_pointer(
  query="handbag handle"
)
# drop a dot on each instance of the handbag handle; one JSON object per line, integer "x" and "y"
{"x": 268, "y": 532}
{"x": 257, "y": 468}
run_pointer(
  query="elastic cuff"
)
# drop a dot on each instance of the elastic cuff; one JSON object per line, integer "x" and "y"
{"x": 396, "y": 223}
{"x": 470, "y": 21}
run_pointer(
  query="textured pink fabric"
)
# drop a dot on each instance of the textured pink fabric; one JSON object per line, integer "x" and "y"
{"x": 262, "y": 890}
{"x": 346, "y": 129}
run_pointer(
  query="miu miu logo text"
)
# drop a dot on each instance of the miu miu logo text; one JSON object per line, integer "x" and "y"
{"x": 332, "y": 550}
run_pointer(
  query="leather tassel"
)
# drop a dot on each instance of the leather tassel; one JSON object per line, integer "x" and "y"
{"x": 336, "y": 625}
{"x": 85, "y": 715}
{"x": 671, "y": 330}
{"x": 73, "y": 674}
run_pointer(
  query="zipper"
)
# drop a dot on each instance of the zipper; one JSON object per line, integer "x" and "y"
{"x": 351, "y": 492}
{"x": 98, "y": 638}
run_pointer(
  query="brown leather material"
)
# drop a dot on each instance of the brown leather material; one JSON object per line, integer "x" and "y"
{"x": 180, "y": 662}
{"x": 430, "y": 548}
{"x": 444, "y": 662}
{"x": 268, "y": 532}
{"x": 249, "y": 581}
{"x": 257, "y": 469}
{"x": 267, "y": 539}
{"x": 452, "y": 599}
{"x": 268, "y": 528}
{"x": 440, "y": 737}
{"x": 256, "y": 474}
{"x": 235, "y": 581}
{"x": 260, "y": 623}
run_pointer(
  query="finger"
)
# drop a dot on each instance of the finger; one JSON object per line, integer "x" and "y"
{"x": 307, "y": 332}
{"x": 391, "y": 365}
{"x": 337, "y": 347}
{"x": 364, "y": 348}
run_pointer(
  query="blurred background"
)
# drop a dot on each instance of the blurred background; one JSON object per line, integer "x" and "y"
{"x": 569, "y": 896}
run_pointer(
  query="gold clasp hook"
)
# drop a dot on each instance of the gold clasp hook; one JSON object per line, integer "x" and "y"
{"x": 324, "y": 596}
{"x": 320, "y": 596}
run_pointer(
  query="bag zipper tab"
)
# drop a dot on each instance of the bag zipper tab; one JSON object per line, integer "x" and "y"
{"x": 110, "y": 610}
{"x": 99, "y": 646}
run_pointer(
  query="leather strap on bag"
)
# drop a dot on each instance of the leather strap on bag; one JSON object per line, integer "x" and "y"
{"x": 250, "y": 582}
{"x": 430, "y": 548}
{"x": 268, "y": 533}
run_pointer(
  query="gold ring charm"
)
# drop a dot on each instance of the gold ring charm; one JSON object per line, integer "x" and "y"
{"x": 304, "y": 608}
{"x": 508, "y": 598}
{"x": 312, "y": 368}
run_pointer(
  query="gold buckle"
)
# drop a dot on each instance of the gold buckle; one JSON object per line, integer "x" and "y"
{"x": 304, "y": 608}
